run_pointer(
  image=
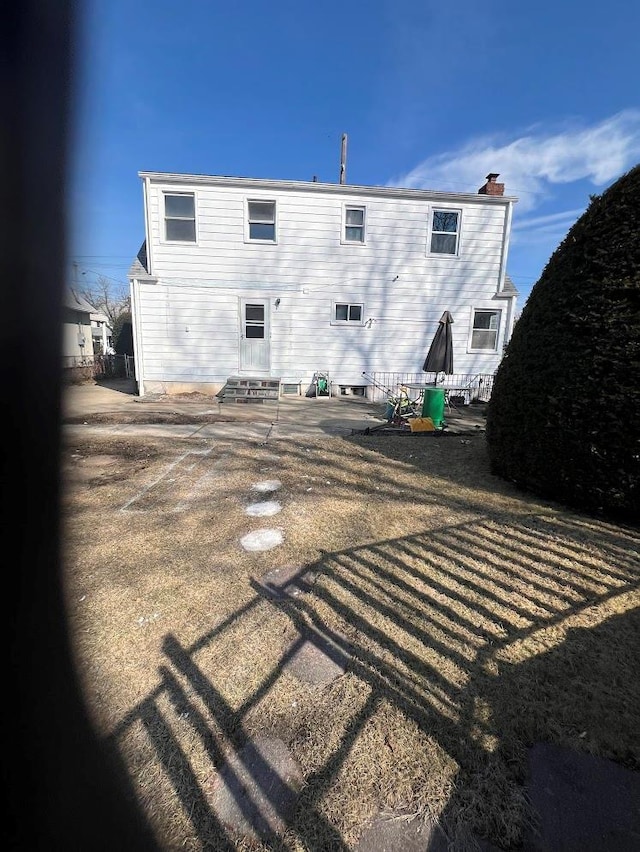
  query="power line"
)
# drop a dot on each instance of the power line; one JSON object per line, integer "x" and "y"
{"x": 102, "y": 275}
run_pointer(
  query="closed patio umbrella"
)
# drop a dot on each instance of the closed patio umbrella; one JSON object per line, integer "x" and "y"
{"x": 440, "y": 355}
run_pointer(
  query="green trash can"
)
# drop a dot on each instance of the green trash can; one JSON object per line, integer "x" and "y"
{"x": 433, "y": 405}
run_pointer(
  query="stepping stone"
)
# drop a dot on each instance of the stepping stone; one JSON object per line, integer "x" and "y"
{"x": 267, "y": 486}
{"x": 583, "y": 802}
{"x": 287, "y": 582}
{"x": 257, "y": 790}
{"x": 261, "y": 540}
{"x": 400, "y": 835}
{"x": 264, "y": 509}
{"x": 317, "y": 662}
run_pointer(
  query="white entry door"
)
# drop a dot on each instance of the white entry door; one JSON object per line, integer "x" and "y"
{"x": 254, "y": 335}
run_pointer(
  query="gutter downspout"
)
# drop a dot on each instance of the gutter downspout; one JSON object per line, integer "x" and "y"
{"x": 137, "y": 336}
{"x": 506, "y": 233}
{"x": 138, "y": 358}
{"x": 147, "y": 229}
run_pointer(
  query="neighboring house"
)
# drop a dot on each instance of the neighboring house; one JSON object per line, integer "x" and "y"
{"x": 77, "y": 341}
{"x": 284, "y": 279}
{"x": 102, "y": 333}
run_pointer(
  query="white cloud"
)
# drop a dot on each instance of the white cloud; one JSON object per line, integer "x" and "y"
{"x": 530, "y": 164}
{"x": 548, "y": 229}
{"x": 553, "y": 219}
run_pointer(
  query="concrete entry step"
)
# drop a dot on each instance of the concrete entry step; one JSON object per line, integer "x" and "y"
{"x": 254, "y": 389}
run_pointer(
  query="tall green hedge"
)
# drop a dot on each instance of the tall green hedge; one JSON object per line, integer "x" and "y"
{"x": 564, "y": 415}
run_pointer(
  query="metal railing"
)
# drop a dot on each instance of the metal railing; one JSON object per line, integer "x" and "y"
{"x": 473, "y": 387}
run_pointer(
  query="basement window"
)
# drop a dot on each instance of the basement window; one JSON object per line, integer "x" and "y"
{"x": 347, "y": 313}
{"x": 180, "y": 217}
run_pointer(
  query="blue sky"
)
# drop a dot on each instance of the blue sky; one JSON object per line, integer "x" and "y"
{"x": 546, "y": 94}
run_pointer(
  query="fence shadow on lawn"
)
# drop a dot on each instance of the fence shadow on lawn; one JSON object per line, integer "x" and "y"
{"x": 484, "y": 644}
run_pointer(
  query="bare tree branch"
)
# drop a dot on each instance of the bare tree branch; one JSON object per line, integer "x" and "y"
{"x": 108, "y": 297}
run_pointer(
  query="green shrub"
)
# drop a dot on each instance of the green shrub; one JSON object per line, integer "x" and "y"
{"x": 564, "y": 415}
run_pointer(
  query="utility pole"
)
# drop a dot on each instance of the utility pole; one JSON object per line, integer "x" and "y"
{"x": 343, "y": 159}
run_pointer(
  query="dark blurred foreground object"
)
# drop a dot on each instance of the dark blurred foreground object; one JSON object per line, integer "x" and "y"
{"x": 64, "y": 790}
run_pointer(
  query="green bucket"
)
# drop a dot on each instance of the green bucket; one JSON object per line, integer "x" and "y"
{"x": 433, "y": 405}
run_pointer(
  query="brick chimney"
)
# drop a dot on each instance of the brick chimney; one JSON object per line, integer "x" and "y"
{"x": 491, "y": 187}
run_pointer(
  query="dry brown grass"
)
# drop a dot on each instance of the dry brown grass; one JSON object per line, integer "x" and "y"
{"x": 477, "y": 620}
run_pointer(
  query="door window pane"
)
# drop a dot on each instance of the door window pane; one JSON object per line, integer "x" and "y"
{"x": 255, "y": 332}
{"x": 255, "y": 312}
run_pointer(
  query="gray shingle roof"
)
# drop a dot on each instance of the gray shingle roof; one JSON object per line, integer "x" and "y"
{"x": 72, "y": 299}
{"x": 140, "y": 266}
{"x": 509, "y": 287}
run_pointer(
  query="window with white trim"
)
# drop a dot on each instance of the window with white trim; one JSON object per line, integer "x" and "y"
{"x": 180, "y": 217}
{"x": 445, "y": 231}
{"x": 261, "y": 217}
{"x": 354, "y": 224}
{"x": 344, "y": 312}
{"x": 484, "y": 331}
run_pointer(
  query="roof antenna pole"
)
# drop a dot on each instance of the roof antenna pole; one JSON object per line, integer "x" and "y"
{"x": 343, "y": 159}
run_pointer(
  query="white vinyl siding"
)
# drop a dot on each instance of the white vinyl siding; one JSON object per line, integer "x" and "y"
{"x": 180, "y": 217}
{"x": 402, "y": 289}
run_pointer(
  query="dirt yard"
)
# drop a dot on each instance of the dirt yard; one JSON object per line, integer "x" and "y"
{"x": 476, "y": 621}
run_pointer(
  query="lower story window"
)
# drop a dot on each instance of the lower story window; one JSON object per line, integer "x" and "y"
{"x": 344, "y": 312}
{"x": 484, "y": 334}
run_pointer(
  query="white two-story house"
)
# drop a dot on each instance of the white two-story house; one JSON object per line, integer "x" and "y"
{"x": 284, "y": 279}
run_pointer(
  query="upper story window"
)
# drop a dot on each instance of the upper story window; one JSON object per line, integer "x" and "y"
{"x": 261, "y": 217}
{"x": 180, "y": 217}
{"x": 354, "y": 223}
{"x": 484, "y": 332}
{"x": 445, "y": 232}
